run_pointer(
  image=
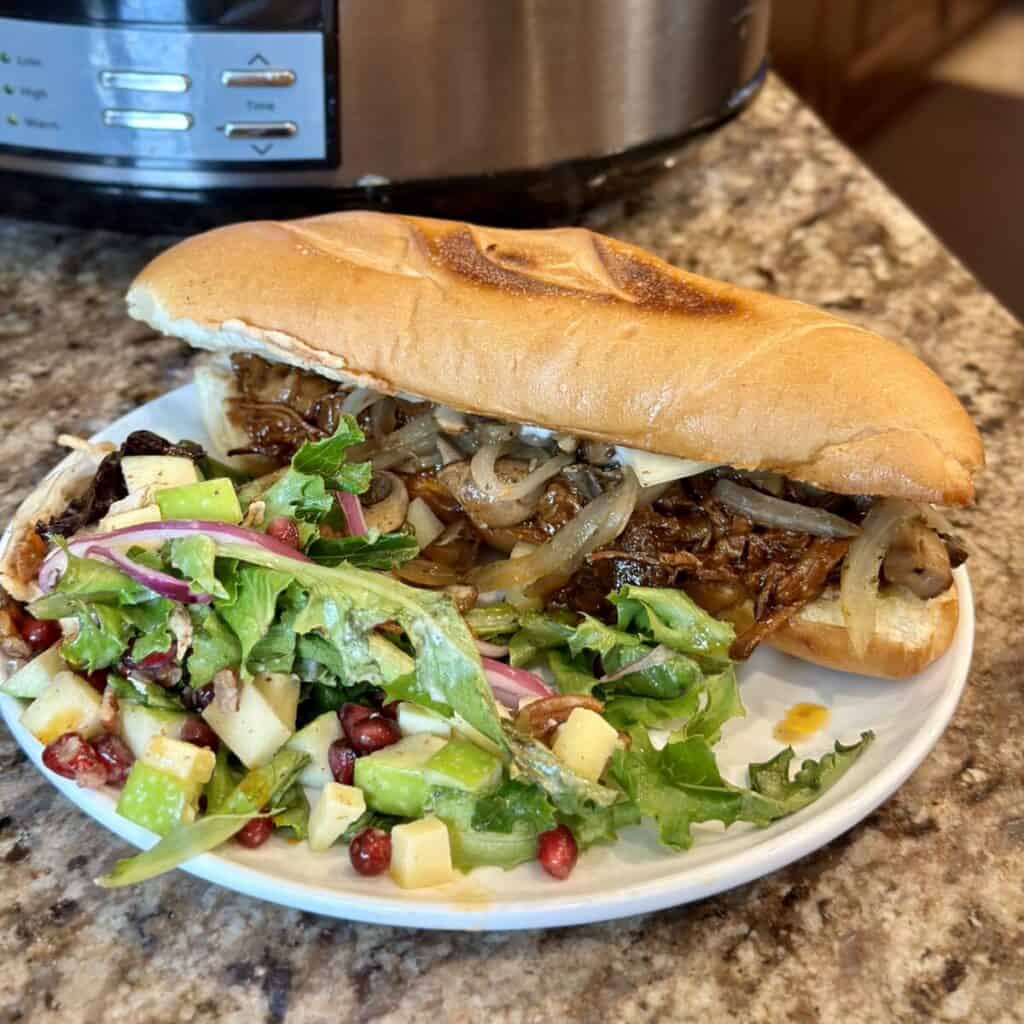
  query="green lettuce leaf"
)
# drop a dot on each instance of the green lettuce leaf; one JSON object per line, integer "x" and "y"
{"x": 680, "y": 785}
{"x": 254, "y": 606}
{"x": 275, "y": 650}
{"x": 214, "y": 646}
{"x": 489, "y": 621}
{"x": 346, "y": 603}
{"x": 771, "y": 778}
{"x": 104, "y": 633}
{"x": 601, "y": 824}
{"x": 406, "y": 688}
{"x": 222, "y": 782}
{"x": 383, "y": 551}
{"x": 194, "y": 558}
{"x": 513, "y": 806}
{"x": 294, "y": 813}
{"x": 670, "y": 617}
{"x": 151, "y": 619}
{"x": 571, "y": 675}
{"x": 140, "y": 691}
{"x": 473, "y": 847}
{"x": 370, "y": 819}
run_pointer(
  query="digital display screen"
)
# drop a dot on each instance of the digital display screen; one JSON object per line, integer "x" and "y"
{"x": 227, "y": 14}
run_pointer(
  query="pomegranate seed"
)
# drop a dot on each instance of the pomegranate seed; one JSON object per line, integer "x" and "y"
{"x": 284, "y": 529}
{"x": 373, "y": 733}
{"x": 350, "y": 714}
{"x": 254, "y": 833}
{"x": 390, "y": 711}
{"x": 196, "y": 731}
{"x": 97, "y": 680}
{"x": 370, "y": 851}
{"x": 341, "y": 759}
{"x": 116, "y": 756}
{"x": 557, "y": 852}
{"x": 39, "y": 634}
{"x": 197, "y": 700}
{"x": 73, "y": 757}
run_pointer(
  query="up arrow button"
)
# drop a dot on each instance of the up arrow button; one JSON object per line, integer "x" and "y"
{"x": 258, "y": 58}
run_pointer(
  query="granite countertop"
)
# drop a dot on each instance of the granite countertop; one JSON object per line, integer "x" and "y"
{"x": 915, "y": 914}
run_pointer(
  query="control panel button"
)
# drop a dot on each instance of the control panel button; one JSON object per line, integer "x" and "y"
{"x": 158, "y": 120}
{"x": 260, "y": 129}
{"x": 145, "y": 81}
{"x": 258, "y": 78}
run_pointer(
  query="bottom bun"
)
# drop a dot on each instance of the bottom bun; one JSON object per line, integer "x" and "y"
{"x": 909, "y": 634}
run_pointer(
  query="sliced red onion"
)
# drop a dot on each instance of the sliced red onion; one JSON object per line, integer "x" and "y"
{"x": 169, "y": 529}
{"x": 510, "y": 684}
{"x": 159, "y": 582}
{"x": 355, "y": 521}
{"x": 658, "y": 656}
{"x": 490, "y": 650}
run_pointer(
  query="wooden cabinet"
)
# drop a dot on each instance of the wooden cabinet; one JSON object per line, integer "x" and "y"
{"x": 856, "y": 61}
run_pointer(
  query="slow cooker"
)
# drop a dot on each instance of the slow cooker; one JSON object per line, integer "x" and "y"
{"x": 183, "y": 113}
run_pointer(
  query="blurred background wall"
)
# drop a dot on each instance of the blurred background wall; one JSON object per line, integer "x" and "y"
{"x": 931, "y": 94}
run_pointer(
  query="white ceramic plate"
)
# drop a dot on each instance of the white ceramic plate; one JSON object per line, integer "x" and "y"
{"x": 635, "y": 875}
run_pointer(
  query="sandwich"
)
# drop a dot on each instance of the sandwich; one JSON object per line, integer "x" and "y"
{"x": 557, "y": 414}
{"x": 475, "y": 511}
{"x": 778, "y": 464}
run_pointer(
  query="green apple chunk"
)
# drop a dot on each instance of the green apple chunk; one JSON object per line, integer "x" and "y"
{"x": 472, "y": 849}
{"x": 140, "y": 724}
{"x": 315, "y": 739}
{"x": 254, "y": 732}
{"x": 213, "y": 500}
{"x": 461, "y": 765}
{"x": 156, "y": 472}
{"x": 156, "y": 799}
{"x": 30, "y": 680}
{"x": 393, "y": 778}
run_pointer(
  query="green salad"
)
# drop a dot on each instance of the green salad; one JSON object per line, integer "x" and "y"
{"x": 238, "y": 657}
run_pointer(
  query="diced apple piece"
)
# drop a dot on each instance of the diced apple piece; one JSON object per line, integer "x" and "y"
{"x": 140, "y": 724}
{"x": 585, "y": 743}
{"x": 156, "y": 799}
{"x": 474, "y": 735}
{"x": 463, "y": 765}
{"x": 281, "y": 691}
{"x": 137, "y": 516}
{"x": 254, "y": 732}
{"x": 214, "y": 500}
{"x": 421, "y": 854}
{"x": 68, "y": 704}
{"x": 30, "y": 680}
{"x": 157, "y": 471}
{"x": 413, "y": 719}
{"x": 184, "y": 761}
{"x": 424, "y": 523}
{"x": 336, "y": 809}
{"x": 392, "y": 778}
{"x": 315, "y": 739}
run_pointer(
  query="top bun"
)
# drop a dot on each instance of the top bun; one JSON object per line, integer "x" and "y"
{"x": 573, "y": 331}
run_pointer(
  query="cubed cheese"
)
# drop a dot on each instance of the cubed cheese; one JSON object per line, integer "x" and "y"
{"x": 315, "y": 739}
{"x": 585, "y": 743}
{"x": 68, "y": 704}
{"x": 30, "y": 680}
{"x": 254, "y": 732}
{"x": 413, "y": 719}
{"x": 337, "y": 807}
{"x": 185, "y": 761}
{"x": 421, "y": 854}
{"x": 157, "y": 471}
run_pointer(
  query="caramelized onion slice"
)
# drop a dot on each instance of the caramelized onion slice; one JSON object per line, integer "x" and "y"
{"x": 858, "y": 588}
{"x": 784, "y": 515}
{"x": 592, "y": 527}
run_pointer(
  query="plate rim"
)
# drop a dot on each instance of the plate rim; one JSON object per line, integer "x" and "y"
{"x": 691, "y": 883}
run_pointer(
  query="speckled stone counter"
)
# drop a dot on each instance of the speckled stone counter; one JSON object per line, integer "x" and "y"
{"x": 917, "y": 914}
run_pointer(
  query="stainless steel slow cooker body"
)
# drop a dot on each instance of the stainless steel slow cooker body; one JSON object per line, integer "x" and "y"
{"x": 356, "y": 99}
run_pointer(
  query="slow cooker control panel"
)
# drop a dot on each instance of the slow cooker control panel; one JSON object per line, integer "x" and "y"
{"x": 163, "y": 94}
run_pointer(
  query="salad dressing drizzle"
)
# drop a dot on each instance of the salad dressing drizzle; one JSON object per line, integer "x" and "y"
{"x": 801, "y": 721}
